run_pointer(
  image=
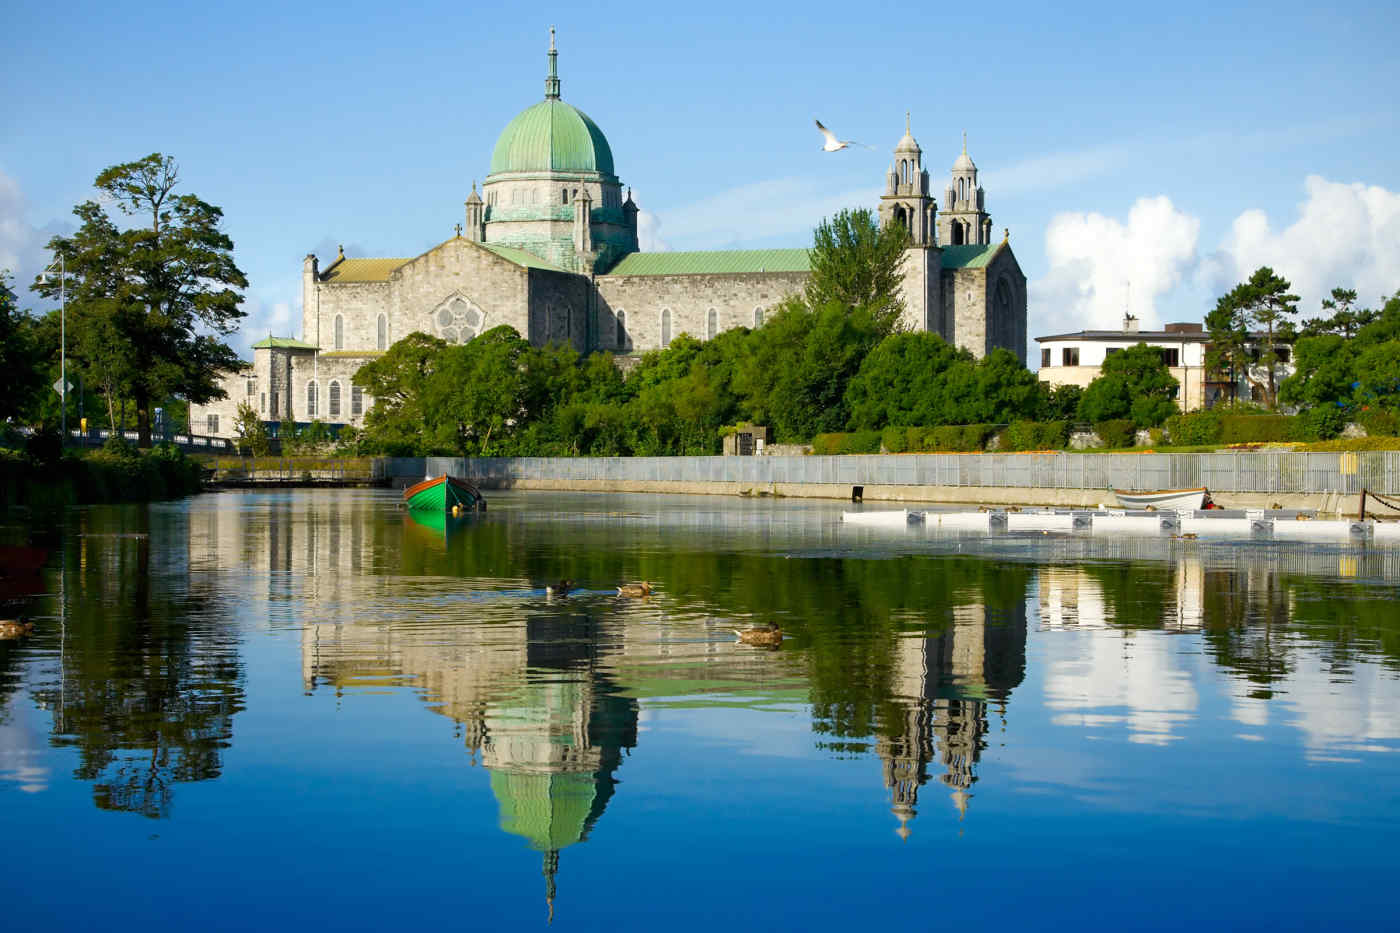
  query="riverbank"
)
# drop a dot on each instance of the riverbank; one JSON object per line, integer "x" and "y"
{"x": 101, "y": 476}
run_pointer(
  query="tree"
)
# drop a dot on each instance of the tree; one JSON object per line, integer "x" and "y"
{"x": 167, "y": 286}
{"x": 18, "y": 351}
{"x": 1344, "y": 321}
{"x": 856, "y": 264}
{"x": 901, "y": 382}
{"x": 251, "y": 431}
{"x": 397, "y": 423}
{"x": 1263, "y": 301}
{"x": 1134, "y": 384}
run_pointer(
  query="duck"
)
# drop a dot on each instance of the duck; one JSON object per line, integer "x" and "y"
{"x": 768, "y": 635}
{"x": 559, "y": 589}
{"x": 15, "y": 628}
{"x": 634, "y": 589}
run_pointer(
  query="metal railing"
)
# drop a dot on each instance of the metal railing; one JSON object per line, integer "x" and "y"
{"x": 1231, "y": 471}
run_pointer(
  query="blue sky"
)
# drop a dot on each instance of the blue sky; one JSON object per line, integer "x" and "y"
{"x": 1176, "y": 148}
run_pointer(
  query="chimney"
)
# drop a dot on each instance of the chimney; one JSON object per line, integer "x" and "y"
{"x": 1130, "y": 324}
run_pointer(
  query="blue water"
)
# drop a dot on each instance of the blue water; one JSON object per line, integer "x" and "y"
{"x": 301, "y": 710}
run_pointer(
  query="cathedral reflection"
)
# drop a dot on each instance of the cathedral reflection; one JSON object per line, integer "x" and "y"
{"x": 944, "y": 688}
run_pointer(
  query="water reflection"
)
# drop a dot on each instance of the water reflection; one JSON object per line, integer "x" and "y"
{"x": 908, "y": 651}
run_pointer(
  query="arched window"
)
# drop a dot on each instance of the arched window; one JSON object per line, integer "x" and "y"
{"x": 711, "y": 324}
{"x": 622, "y": 330}
{"x": 357, "y": 401}
{"x": 339, "y": 332}
{"x": 333, "y": 400}
{"x": 311, "y": 399}
{"x": 382, "y": 342}
{"x": 957, "y": 232}
{"x": 565, "y": 195}
{"x": 666, "y": 327}
{"x": 757, "y": 317}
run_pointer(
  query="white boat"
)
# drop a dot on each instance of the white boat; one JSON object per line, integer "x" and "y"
{"x": 1164, "y": 499}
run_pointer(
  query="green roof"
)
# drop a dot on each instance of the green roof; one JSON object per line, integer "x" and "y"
{"x": 552, "y": 136}
{"x": 968, "y": 257}
{"x": 520, "y": 257}
{"x": 714, "y": 262}
{"x": 283, "y": 343}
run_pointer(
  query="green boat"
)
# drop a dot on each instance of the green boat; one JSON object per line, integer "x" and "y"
{"x": 443, "y": 495}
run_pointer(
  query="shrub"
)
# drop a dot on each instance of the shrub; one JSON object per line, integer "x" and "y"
{"x": 1116, "y": 432}
{"x": 1196, "y": 428}
{"x": 897, "y": 439}
{"x": 961, "y": 437}
{"x": 855, "y": 442}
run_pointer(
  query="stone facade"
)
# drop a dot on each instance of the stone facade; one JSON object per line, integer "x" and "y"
{"x": 549, "y": 248}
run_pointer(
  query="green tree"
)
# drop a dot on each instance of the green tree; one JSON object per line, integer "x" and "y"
{"x": 251, "y": 431}
{"x": 1343, "y": 320}
{"x": 1134, "y": 384}
{"x": 901, "y": 382}
{"x": 856, "y": 264}
{"x": 397, "y": 422}
{"x": 479, "y": 394}
{"x": 18, "y": 355}
{"x": 168, "y": 285}
{"x": 1261, "y": 302}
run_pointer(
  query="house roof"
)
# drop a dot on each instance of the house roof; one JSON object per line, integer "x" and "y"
{"x": 1140, "y": 336}
{"x": 361, "y": 270}
{"x": 521, "y": 258}
{"x": 969, "y": 256}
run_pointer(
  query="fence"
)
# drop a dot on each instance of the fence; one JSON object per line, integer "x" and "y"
{"x": 1235, "y": 471}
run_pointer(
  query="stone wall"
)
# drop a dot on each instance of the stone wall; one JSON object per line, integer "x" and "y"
{"x": 689, "y": 298}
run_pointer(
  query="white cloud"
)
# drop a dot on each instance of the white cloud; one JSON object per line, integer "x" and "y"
{"x": 276, "y": 318}
{"x": 1057, "y": 169}
{"x": 21, "y": 243}
{"x": 1100, "y": 266}
{"x": 1346, "y": 234}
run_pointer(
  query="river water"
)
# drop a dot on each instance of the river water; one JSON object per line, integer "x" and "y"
{"x": 305, "y": 710}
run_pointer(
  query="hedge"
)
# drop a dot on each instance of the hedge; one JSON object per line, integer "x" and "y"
{"x": 1034, "y": 435}
{"x": 1378, "y": 422}
{"x": 857, "y": 442}
{"x": 944, "y": 438}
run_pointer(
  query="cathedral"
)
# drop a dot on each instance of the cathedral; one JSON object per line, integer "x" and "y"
{"x": 549, "y": 247}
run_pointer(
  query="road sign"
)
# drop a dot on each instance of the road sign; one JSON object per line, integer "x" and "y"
{"x": 58, "y": 386}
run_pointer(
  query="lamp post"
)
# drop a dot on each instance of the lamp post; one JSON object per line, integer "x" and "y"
{"x": 62, "y": 342}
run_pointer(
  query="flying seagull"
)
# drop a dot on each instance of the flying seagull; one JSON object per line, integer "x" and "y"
{"x": 832, "y": 143}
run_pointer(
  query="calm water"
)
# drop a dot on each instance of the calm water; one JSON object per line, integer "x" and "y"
{"x": 303, "y": 710}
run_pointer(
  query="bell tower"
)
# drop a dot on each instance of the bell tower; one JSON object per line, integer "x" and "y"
{"x": 965, "y": 221}
{"x": 906, "y": 198}
{"x": 907, "y": 201}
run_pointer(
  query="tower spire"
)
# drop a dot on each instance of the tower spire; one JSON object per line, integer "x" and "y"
{"x": 906, "y": 123}
{"x": 964, "y": 140}
{"x": 551, "y": 83}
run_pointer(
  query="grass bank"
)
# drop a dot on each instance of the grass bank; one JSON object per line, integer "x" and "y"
{"x": 98, "y": 476}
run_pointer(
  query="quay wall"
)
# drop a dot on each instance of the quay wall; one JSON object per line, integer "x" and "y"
{"x": 1329, "y": 482}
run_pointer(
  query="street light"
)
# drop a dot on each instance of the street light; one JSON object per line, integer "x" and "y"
{"x": 62, "y": 339}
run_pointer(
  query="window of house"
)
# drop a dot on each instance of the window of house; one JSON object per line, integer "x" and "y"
{"x": 666, "y": 327}
{"x": 622, "y": 330}
{"x": 711, "y": 324}
{"x": 382, "y": 341}
{"x": 311, "y": 400}
{"x": 212, "y": 424}
{"x": 357, "y": 401}
{"x": 275, "y": 410}
{"x": 1171, "y": 356}
{"x": 252, "y": 387}
{"x": 1045, "y": 356}
{"x": 333, "y": 401}
{"x": 339, "y": 332}
{"x": 757, "y": 318}
{"x": 1282, "y": 354}
{"x": 262, "y": 402}
{"x": 1069, "y": 356}
{"x": 1112, "y": 350}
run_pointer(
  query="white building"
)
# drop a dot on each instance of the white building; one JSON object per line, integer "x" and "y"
{"x": 1078, "y": 358}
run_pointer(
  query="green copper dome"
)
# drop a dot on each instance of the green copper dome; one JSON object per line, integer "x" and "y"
{"x": 552, "y": 136}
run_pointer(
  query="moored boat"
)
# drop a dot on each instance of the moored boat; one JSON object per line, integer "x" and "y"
{"x": 444, "y": 494}
{"x": 1198, "y": 498}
